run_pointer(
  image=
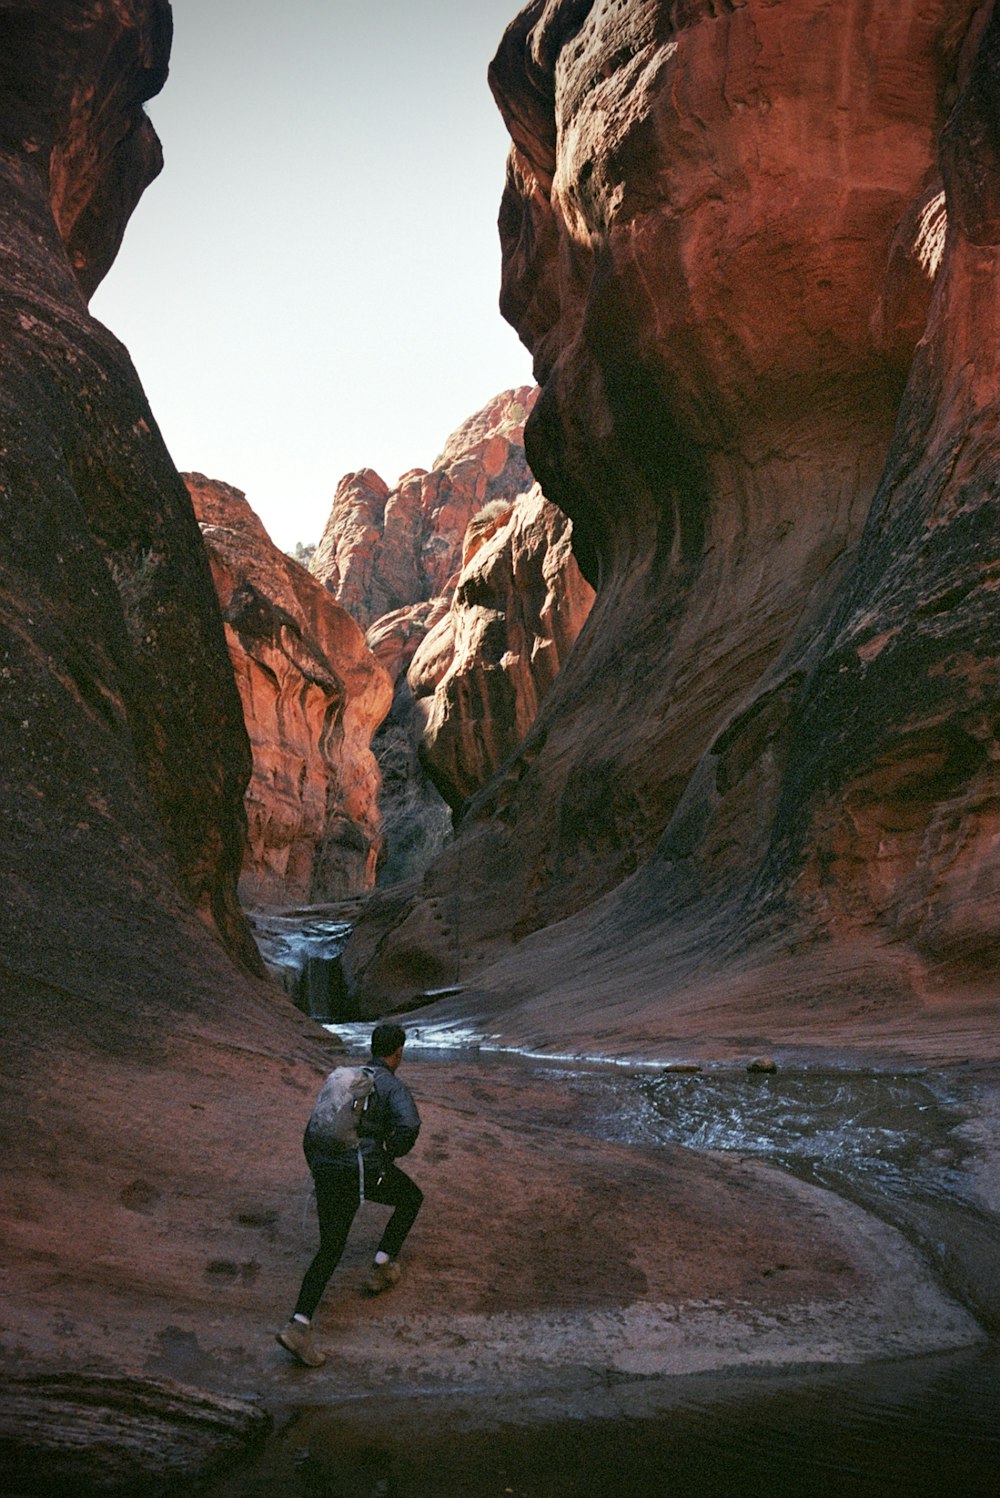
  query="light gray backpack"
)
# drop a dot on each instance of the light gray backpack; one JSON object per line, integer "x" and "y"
{"x": 333, "y": 1124}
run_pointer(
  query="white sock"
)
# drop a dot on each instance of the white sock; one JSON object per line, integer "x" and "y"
{"x": 299, "y": 1317}
{"x": 381, "y": 1257}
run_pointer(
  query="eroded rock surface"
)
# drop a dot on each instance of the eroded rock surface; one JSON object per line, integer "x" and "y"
{"x": 481, "y": 673}
{"x": 721, "y": 230}
{"x": 468, "y": 674}
{"x": 125, "y": 757}
{"x": 386, "y": 549}
{"x": 123, "y": 780}
{"x": 312, "y": 697}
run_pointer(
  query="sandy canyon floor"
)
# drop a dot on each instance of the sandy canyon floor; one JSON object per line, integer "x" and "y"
{"x": 556, "y": 1274}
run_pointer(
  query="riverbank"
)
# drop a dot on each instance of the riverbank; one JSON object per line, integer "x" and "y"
{"x": 554, "y": 1270}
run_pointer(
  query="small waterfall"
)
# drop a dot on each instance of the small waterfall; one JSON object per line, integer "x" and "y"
{"x": 302, "y": 949}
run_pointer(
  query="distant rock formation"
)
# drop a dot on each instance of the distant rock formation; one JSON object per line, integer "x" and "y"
{"x": 395, "y": 558}
{"x": 387, "y": 549}
{"x": 722, "y": 257}
{"x": 480, "y": 675}
{"x": 312, "y": 697}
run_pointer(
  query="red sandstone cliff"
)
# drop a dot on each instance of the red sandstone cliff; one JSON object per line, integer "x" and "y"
{"x": 720, "y": 231}
{"x": 395, "y": 558}
{"x": 312, "y": 697}
{"x": 150, "y": 1207}
{"x": 482, "y": 671}
{"x": 384, "y": 549}
{"x": 127, "y": 1002}
{"x": 106, "y": 584}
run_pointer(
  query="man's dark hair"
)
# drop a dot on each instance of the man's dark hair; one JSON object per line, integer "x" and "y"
{"x": 387, "y": 1038}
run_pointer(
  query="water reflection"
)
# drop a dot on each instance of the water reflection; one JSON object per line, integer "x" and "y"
{"x": 923, "y": 1428}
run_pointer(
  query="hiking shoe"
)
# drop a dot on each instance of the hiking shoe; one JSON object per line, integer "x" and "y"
{"x": 297, "y": 1338}
{"x": 382, "y": 1277}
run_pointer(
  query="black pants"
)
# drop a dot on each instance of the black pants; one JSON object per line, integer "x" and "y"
{"x": 337, "y": 1200}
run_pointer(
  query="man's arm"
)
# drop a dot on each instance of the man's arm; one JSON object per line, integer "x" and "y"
{"x": 404, "y": 1120}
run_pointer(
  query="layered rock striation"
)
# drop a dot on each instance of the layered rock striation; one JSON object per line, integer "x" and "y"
{"x": 312, "y": 697}
{"x": 721, "y": 230}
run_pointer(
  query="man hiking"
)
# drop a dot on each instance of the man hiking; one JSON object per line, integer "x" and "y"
{"x": 386, "y": 1129}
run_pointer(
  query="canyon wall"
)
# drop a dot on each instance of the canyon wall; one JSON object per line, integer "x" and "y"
{"x": 312, "y": 697}
{"x": 480, "y": 674}
{"x": 471, "y": 646}
{"x": 720, "y": 232}
{"x": 115, "y": 761}
{"x": 385, "y": 549}
{"x": 140, "y": 1052}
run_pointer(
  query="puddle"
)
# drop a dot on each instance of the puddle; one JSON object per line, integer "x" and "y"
{"x": 924, "y": 1428}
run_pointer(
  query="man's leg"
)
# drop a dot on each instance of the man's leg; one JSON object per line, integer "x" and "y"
{"x": 395, "y": 1189}
{"x": 337, "y": 1201}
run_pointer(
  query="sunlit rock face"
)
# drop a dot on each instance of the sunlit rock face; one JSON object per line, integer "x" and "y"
{"x": 720, "y": 233}
{"x": 312, "y": 697}
{"x": 385, "y": 549}
{"x": 123, "y": 774}
{"x": 480, "y": 675}
{"x": 393, "y": 558}
{"x": 889, "y": 808}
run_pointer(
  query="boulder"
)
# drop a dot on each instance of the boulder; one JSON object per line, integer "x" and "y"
{"x": 101, "y": 1433}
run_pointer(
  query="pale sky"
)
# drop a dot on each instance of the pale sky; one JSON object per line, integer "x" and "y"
{"x": 311, "y": 285}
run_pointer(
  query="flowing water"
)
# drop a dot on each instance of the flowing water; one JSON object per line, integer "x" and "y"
{"x": 304, "y": 953}
{"x": 895, "y": 1143}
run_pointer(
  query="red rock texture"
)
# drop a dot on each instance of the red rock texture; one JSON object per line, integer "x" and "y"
{"x": 482, "y": 672}
{"x": 387, "y": 549}
{"x": 888, "y": 814}
{"x": 123, "y": 750}
{"x": 123, "y": 775}
{"x": 722, "y": 260}
{"x": 393, "y": 558}
{"x": 76, "y": 79}
{"x": 154, "y": 1093}
{"x": 312, "y": 697}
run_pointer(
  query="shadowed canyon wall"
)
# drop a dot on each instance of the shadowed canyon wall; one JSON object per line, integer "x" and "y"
{"x": 720, "y": 233}
{"x": 312, "y": 697}
{"x": 116, "y": 761}
{"x": 138, "y": 1048}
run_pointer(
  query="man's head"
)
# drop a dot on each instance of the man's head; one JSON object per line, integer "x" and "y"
{"x": 387, "y": 1044}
